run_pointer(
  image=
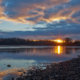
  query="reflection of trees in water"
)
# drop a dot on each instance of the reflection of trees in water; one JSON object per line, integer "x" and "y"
{"x": 65, "y": 50}
{"x": 71, "y": 50}
{"x": 50, "y": 50}
{"x": 25, "y": 50}
{"x": 12, "y": 50}
{"x": 68, "y": 50}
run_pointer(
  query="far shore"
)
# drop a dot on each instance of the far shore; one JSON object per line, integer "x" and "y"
{"x": 24, "y": 42}
{"x": 36, "y": 46}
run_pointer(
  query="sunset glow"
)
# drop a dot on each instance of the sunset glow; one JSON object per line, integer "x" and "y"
{"x": 59, "y": 41}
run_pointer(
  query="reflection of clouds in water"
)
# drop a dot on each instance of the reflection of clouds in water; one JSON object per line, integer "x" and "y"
{"x": 37, "y": 53}
{"x": 15, "y": 64}
{"x": 24, "y": 57}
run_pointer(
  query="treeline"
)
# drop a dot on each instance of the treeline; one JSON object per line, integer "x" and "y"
{"x": 18, "y": 41}
{"x": 70, "y": 42}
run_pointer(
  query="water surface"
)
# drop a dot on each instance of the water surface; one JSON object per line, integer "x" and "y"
{"x": 26, "y": 56}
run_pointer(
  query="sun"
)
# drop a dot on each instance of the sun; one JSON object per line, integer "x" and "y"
{"x": 58, "y": 41}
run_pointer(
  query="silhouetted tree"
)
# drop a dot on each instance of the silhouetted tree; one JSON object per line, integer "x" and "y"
{"x": 68, "y": 40}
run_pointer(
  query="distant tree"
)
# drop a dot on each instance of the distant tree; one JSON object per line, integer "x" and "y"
{"x": 77, "y": 42}
{"x": 68, "y": 40}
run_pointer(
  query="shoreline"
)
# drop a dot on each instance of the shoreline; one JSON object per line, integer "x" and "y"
{"x": 26, "y": 46}
{"x": 66, "y": 70}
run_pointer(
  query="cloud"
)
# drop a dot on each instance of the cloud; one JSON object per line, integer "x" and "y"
{"x": 27, "y": 11}
{"x": 1, "y": 11}
{"x": 51, "y": 18}
{"x": 51, "y": 31}
{"x": 64, "y": 14}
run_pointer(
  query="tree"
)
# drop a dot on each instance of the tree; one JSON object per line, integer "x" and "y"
{"x": 68, "y": 40}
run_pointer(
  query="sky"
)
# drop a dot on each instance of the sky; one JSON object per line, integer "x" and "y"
{"x": 40, "y": 19}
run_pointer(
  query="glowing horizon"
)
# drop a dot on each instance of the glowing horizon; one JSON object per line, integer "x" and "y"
{"x": 59, "y": 40}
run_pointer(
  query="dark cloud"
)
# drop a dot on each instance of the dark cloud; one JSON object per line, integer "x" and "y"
{"x": 26, "y": 11}
{"x": 52, "y": 30}
{"x": 74, "y": 2}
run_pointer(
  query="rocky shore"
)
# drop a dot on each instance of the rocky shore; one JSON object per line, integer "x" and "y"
{"x": 68, "y": 70}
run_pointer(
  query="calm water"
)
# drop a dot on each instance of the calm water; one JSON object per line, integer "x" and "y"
{"x": 23, "y": 56}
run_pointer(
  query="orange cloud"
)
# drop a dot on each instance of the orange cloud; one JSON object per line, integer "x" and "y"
{"x": 65, "y": 14}
{"x": 23, "y": 15}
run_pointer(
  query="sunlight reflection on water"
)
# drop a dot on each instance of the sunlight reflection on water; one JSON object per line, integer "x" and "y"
{"x": 23, "y": 57}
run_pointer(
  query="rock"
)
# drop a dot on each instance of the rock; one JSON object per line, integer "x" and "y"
{"x": 8, "y": 65}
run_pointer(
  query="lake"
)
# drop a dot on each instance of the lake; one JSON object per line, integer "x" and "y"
{"x": 26, "y": 56}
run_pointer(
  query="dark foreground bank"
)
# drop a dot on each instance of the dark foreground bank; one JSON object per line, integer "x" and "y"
{"x": 68, "y": 70}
